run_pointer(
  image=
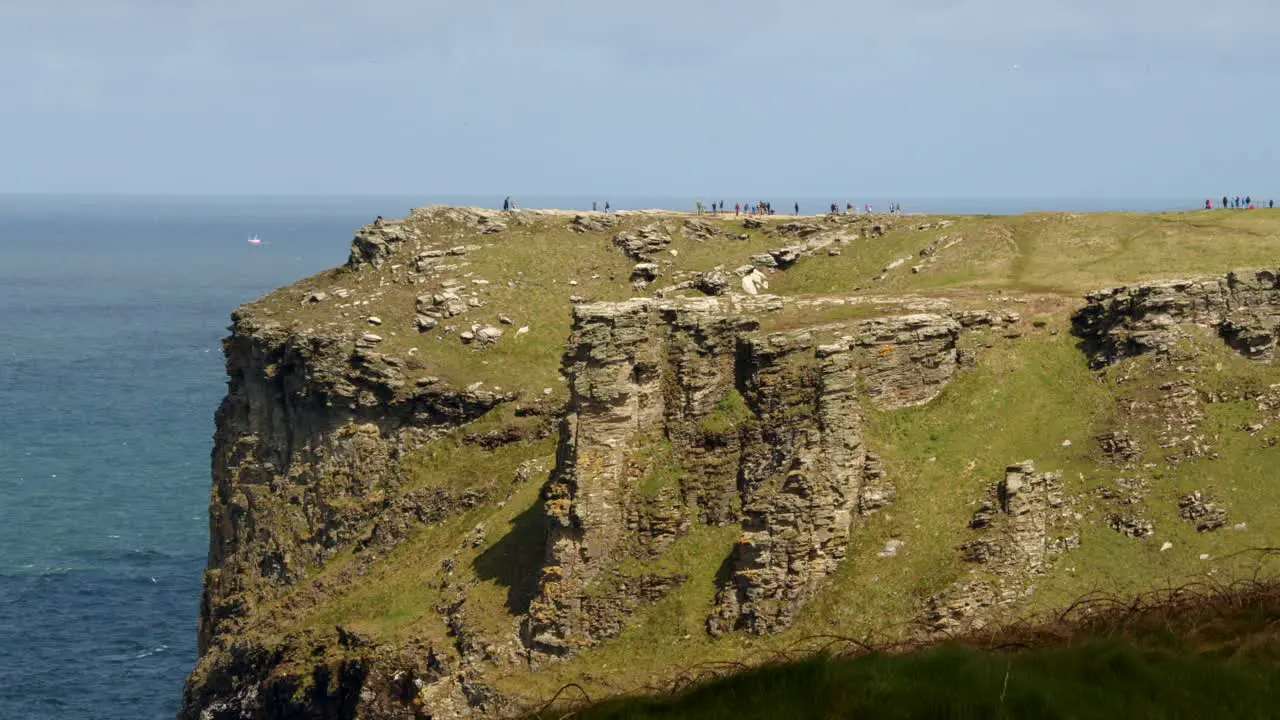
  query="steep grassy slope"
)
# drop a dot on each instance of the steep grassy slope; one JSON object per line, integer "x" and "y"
{"x": 1095, "y": 679}
{"x": 1198, "y": 652}
{"x": 446, "y": 592}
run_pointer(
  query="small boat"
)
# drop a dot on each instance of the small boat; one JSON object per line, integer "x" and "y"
{"x": 255, "y": 240}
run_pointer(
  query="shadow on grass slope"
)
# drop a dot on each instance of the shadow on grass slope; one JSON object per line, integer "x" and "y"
{"x": 1185, "y": 655}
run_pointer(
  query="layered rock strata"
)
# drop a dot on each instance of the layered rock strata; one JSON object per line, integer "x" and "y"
{"x": 307, "y": 450}
{"x": 1019, "y": 526}
{"x": 1243, "y": 307}
{"x": 764, "y": 430}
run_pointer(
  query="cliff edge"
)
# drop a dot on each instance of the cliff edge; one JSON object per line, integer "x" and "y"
{"x": 498, "y": 452}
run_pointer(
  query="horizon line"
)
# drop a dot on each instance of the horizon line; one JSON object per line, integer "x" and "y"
{"x": 567, "y": 195}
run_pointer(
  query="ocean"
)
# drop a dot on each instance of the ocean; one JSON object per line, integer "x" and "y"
{"x": 111, "y": 313}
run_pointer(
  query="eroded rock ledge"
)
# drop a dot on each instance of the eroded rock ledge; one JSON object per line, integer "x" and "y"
{"x": 766, "y": 430}
{"x": 306, "y": 453}
{"x": 1021, "y": 524}
{"x": 1243, "y": 307}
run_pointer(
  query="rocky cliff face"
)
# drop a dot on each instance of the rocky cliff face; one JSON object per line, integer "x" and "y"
{"x": 790, "y": 467}
{"x": 688, "y": 411}
{"x": 1243, "y": 307}
{"x": 306, "y": 454}
{"x": 1023, "y": 521}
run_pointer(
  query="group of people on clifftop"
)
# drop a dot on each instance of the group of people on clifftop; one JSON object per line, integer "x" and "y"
{"x": 1229, "y": 203}
{"x": 764, "y": 207}
{"x": 851, "y": 209}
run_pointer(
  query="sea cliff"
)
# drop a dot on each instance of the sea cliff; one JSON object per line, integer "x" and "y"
{"x": 498, "y": 452}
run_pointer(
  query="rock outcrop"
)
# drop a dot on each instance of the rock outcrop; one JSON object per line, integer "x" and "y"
{"x": 789, "y": 450}
{"x": 643, "y": 243}
{"x": 1243, "y": 307}
{"x": 1020, "y": 525}
{"x": 801, "y": 478}
{"x": 375, "y": 244}
{"x": 1201, "y": 510}
{"x": 704, "y": 418}
{"x": 593, "y": 223}
{"x": 306, "y": 452}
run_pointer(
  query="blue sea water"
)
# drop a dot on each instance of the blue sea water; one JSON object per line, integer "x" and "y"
{"x": 111, "y": 312}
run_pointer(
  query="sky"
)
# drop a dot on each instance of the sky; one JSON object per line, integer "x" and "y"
{"x": 924, "y": 98}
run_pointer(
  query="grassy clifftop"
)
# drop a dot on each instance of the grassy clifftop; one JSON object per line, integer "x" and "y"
{"x": 1145, "y": 455}
{"x": 530, "y": 270}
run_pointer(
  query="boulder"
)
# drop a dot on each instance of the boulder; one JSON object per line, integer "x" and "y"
{"x": 765, "y": 260}
{"x": 699, "y": 230}
{"x": 754, "y": 282}
{"x": 593, "y": 223}
{"x": 448, "y": 304}
{"x": 1202, "y": 511}
{"x": 374, "y": 245}
{"x": 643, "y": 274}
{"x": 640, "y": 244}
{"x": 713, "y": 282}
{"x": 799, "y": 229}
{"x": 787, "y": 256}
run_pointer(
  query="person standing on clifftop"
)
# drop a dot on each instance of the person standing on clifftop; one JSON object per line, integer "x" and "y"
{"x": 506, "y": 204}
{"x": 606, "y": 207}
{"x": 1224, "y": 205}
{"x": 593, "y": 206}
{"x": 736, "y": 209}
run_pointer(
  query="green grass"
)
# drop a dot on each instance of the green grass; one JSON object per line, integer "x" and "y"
{"x": 664, "y": 634}
{"x": 1024, "y": 398}
{"x": 455, "y": 463}
{"x": 728, "y": 415}
{"x": 530, "y": 266}
{"x": 1061, "y": 253}
{"x": 1096, "y": 679}
{"x": 661, "y": 469}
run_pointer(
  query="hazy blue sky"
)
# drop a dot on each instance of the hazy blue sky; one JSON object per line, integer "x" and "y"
{"x": 893, "y": 97}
